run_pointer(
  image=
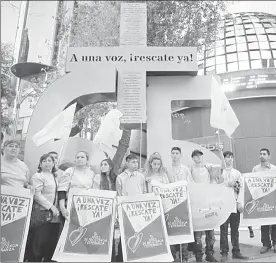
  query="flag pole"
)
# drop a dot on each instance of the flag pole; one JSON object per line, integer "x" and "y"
{"x": 180, "y": 252}
{"x": 60, "y": 152}
{"x": 220, "y": 150}
{"x": 141, "y": 137}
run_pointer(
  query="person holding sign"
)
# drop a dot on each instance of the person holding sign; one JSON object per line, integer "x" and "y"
{"x": 79, "y": 176}
{"x": 155, "y": 171}
{"x": 266, "y": 239}
{"x": 45, "y": 235}
{"x": 204, "y": 173}
{"x": 178, "y": 172}
{"x": 106, "y": 181}
{"x": 14, "y": 173}
{"x": 232, "y": 178}
{"x": 128, "y": 183}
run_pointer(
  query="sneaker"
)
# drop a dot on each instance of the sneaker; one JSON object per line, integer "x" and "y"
{"x": 223, "y": 258}
{"x": 264, "y": 249}
{"x": 239, "y": 255}
{"x": 210, "y": 258}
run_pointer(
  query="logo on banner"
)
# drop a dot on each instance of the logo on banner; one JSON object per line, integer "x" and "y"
{"x": 6, "y": 246}
{"x": 12, "y": 208}
{"x": 259, "y": 187}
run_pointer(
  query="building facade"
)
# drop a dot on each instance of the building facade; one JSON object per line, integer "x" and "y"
{"x": 244, "y": 57}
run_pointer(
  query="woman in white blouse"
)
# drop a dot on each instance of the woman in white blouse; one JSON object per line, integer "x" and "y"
{"x": 79, "y": 176}
{"x": 44, "y": 237}
{"x": 155, "y": 170}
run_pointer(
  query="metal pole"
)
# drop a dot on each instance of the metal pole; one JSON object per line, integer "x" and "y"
{"x": 219, "y": 141}
{"x": 141, "y": 138}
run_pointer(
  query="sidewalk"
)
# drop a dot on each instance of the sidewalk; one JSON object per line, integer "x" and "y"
{"x": 249, "y": 247}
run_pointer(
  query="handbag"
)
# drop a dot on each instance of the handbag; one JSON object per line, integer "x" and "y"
{"x": 40, "y": 217}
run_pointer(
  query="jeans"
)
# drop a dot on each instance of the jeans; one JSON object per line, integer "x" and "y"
{"x": 234, "y": 221}
{"x": 176, "y": 248}
{"x": 209, "y": 240}
{"x": 265, "y": 236}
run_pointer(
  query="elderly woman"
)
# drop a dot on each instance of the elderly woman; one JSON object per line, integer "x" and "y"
{"x": 14, "y": 173}
{"x": 79, "y": 176}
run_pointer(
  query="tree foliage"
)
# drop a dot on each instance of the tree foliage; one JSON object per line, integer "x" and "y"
{"x": 7, "y": 90}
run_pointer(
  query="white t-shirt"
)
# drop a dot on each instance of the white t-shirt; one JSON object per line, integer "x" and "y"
{"x": 14, "y": 173}
{"x": 179, "y": 173}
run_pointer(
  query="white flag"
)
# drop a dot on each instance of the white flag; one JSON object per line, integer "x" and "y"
{"x": 109, "y": 132}
{"x": 222, "y": 115}
{"x": 57, "y": 128}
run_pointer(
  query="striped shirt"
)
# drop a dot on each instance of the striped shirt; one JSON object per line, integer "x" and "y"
{"x": 130, "y": 183}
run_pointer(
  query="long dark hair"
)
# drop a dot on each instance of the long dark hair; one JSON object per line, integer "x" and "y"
{"x": 104, "y": 184}
{"x": 44, "y": 157}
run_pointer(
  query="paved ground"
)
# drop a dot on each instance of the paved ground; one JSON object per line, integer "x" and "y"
{"x": 249, "y": 247}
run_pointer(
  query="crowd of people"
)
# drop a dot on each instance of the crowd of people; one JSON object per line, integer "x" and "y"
{"x": 50, "y": 186}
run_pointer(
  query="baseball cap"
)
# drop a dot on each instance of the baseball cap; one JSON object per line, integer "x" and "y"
{"x": 196, "y": 152}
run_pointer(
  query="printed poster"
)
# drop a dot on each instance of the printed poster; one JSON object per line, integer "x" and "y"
{"x": 177, "y": 210}
{"x": 211, "y": 205}
{"x": 143, "y": 229}
{"x": 259, "y": 195}
{"x": 88, "y": 234}
{"x": 16, "y": 208}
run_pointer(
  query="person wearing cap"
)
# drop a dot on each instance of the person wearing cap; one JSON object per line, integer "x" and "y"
{"x": 208, "y": 174}
{"x": 14, "y": 173}
{"x": 231, "y": 178}
{"x": 178, "y": 172}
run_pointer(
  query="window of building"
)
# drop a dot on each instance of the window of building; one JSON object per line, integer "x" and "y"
{"x": 231, "y": 57}
{"x": 220, "y": 51}
{"x": 246, "y": 26}
{"x": 260, "y": 30}
{"x": 231, "y": 48}
{"x": 264, "y": 45}
{"x": 219, "y": 43}
{"x": 270, "y": 31}
{"x": 267, "y": 25}
{"x": 238, "y": 20}
{"x": 252, "y": 38}
{"x": 229, "y": 28}
{"x": 210, "y": 68}
{"x": 266, "y": 54}
{"x": 267, "y": 63}
{"x": 244, "y": 65}
{"x": 240, "y": 32}
{"x": 272, "y": 37}
{"x": 232, "y": 67}
{"x": 240, "y": 39}
{"x": 210, "y": 62}
{"x": 201, "y": 72}
{"x": 253, "y": 45}
{"x": 255, "y": 64}
{"x": 242, "y": 56}
{"x": 274, "y": 53}
{"x": 255, "y": 55}
{"x": 262, "y": 38}
{"x": 230, "y": 34}
{"x": 257, "y": 25}
{"x": 273, "y": 44}
{"x": 242, "y": 47}
{"x": 220, "y": 60}
{"x": 221, "y": 68}
{"x": 255, "y": 19}
{"x": 230, "y": 41}
{"x": 250, "y": 31}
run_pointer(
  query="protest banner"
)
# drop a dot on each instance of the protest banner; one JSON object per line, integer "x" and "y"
{"x": 211, "y": 205}
{"x": 16, "y": 208}
{"x": 88, "y": 234}
{"x": 177, "y": 210}
{"x": 259, "y": 195}
{"x": 143, "y": 231}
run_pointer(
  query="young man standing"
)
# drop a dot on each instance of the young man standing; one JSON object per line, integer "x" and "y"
{"x": 128, "y": 183}
{"x": 266, "y": 239}
{"x": 204, "y": 173}
{"x": 178, "y": 172}
{"x": 231, "y": 178}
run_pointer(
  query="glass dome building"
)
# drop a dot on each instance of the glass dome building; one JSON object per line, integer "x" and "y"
{"x": 245, "y": 41}
{"x": 244, "y": 57}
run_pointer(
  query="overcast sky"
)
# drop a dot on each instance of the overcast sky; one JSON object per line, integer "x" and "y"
{"x": 10, "y": 11}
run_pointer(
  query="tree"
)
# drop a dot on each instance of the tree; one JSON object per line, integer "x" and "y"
{"x": 7, "y": 90}
{"x": 170, "y": 23}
